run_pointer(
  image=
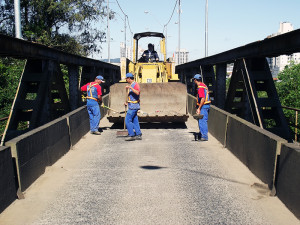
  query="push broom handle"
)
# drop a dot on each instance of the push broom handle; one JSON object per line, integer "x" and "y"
{"x": 126, "y": 96}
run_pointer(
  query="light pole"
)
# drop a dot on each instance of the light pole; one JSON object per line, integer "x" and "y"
{"x": 206, "y": 28}
{"x": 108, "y": 33}
{"x": 125, "y": 35}
{"x": 179, "y": 11}
{"x": 17, "y": 19}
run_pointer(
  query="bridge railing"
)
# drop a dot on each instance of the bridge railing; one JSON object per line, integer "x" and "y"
{"x": 251, "y": 76}
{"x": 42, "y": 96}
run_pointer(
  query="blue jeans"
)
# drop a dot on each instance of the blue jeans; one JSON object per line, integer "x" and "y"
{"x": 132, "y": 122}
{"x": 203, "y": 122}
{"x": 95, "y": 115}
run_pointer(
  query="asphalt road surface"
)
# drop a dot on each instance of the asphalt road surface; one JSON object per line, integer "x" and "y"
{"x": 166, "y": 178}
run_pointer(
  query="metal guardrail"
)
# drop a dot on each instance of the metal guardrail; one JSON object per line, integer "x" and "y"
{"x": 251, "y": 75}
{"x": 42, "y": 75}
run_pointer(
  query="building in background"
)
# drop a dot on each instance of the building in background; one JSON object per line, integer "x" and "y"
{"x": 127, "y": 53}
{"x": 184, "y": 56}
{"x": 229, "y": 70}
{"x": 277, "y": 64}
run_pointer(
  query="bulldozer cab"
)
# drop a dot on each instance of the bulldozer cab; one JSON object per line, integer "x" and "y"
{"x": 146, "y": 68}
{"x": 136, "y": 39}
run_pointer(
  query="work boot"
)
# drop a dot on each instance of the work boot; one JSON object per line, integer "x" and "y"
{"x": 95, "y": 132}
{"x": 199, "y": 136}
{"x": 130, "y": 138}
{"x": 196, "y": 136}
{"x": 138, "y": 137}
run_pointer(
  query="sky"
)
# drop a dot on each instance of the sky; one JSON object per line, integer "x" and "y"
{"x": 231, "y": 23}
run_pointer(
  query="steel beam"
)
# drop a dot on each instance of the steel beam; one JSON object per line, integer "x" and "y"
{"x": 74, "y": 90}
{"x": 220, "y": 88}
{"x": 284, "y": 44}
{"x": 14, "y": 47}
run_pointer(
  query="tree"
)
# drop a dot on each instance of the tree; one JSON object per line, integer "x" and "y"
{"x": 288, "y": 88}
{"x": 10, "y": 70}
{"x": 68, "y": 25}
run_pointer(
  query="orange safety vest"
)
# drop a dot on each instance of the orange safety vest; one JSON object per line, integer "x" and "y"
{"x": 207, "y": 101}
{"x": 132, "y": 101}
{"x": 90, "y": 89}
{"x": 129, "y": 100}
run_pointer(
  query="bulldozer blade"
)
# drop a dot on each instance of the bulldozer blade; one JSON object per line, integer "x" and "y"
{"x": 159, "y": 102}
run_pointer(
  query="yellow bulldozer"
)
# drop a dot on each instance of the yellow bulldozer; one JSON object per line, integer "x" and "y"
{"x": 163, "y": 97}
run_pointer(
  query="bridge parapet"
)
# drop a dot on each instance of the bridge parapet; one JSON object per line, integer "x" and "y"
{"x": 288, "y": 181}
{"x": 39, "y": 148}
{"x": 268, "y": 156}
{"x": 8, "y": 185}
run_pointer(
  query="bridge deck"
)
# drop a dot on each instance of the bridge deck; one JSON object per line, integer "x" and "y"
{"x": 167, "y": 178}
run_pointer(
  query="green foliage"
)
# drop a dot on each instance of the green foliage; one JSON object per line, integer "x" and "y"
{"x": 10, "y": 72}
{"x": 64, "y": 70}
{"x": 68, "y": 25}
{"x": 288, "y": 88}
{"x": 227, "y": 84}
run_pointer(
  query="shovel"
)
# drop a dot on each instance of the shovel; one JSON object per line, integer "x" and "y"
{"x": 197, "y": 116}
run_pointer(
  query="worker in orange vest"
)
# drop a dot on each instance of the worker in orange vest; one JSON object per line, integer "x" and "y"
{"x": 94, "y": 95}
{"x": 203, "y": 106}
{"x": 133, "y": 102}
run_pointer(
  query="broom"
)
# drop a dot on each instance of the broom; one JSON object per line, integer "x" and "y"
{"x": 124, "y": 132}
{"x": 113, "y": 110}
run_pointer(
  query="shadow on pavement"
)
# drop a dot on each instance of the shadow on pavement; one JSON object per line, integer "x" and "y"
{"x": 148, "y": 167}
{"x": 153, "y": 126}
